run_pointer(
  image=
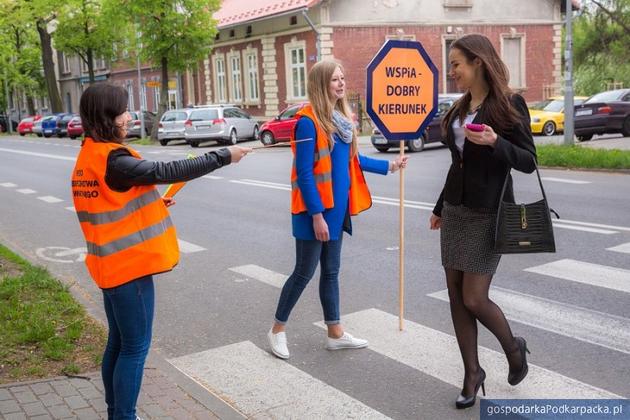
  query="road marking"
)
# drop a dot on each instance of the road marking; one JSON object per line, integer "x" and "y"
{"x": 8, "y": 185}
{"x": 50, "y": 199}
{"x": 26, "y": 191}
{"x": 45, "y": 155}
{"x": 565, "y": 180}
{"x": 263, "y": 386}
{"x": 189, "y": 248}
{"x": 258, "y": 184}
{"x": 625, "y": 248}
{"x": 596, "y": 225}
{"x": 586, "y": 273}
{"x": 212, "y": 177}
{"x": 261, "y": 274}
{"x": 583, "y": 228}
{"x": 71, "y": 208}
{"x": 267, "y": 183}
{"x": 599, "y": 328}
{"x": 436, "y": 354}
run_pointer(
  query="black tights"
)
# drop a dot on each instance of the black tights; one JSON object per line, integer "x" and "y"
{"x": 468, "y": 295}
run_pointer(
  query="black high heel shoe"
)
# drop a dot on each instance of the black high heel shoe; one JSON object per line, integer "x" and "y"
{"x": 465, "y": 402}
{"x": 514, "y": 378}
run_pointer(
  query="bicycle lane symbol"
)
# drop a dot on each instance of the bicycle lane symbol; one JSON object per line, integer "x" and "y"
{"x": 62, "y": 254}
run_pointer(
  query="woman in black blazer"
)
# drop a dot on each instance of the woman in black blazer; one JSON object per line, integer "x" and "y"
{"x": 466, "y": 210}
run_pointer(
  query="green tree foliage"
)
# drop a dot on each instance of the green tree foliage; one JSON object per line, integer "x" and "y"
{"x": 174, "y": 34}
{"x": 89, "y": 29}
{"x": 601, "y": 43}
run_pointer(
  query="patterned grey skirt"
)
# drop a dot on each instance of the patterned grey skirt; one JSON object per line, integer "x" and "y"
{"x": 467, "y": 239}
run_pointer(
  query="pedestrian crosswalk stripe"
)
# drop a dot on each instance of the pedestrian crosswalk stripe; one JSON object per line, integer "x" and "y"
{"x": 45, "y": 155}
{"x": 212, "y": 177}
{"x": 26, "y": 191}
{"x": 261, "y": 274}
{"x": 189, "y": 248}
{"x": 586, "y": 273}
{"x": 8, "y": 185}
{"x": 261, "y": 386}
{"x": 50, "y": 199}
{"x": 625, "y": 248}
{"x": 596, "y": 225}
{"x": 258, "y": 184}
{"x": 436, "y": 353}
{"x": 583, "y": 228}
{"x": 71, "y": 208}
{"x": 583, "y": 324}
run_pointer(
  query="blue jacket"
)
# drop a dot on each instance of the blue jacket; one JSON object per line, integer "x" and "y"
{"x": 340, "y": 157}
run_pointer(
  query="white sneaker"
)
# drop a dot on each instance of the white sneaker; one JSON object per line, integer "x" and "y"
{"x": 346, "y": 341}
{"x": 278, "y": 343}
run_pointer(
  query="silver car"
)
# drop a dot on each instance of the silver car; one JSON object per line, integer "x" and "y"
{"x": 172, "y": 125}
{"x": 225, "y": 124}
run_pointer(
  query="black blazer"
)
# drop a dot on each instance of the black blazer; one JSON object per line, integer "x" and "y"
{"x": 476, "y": 179}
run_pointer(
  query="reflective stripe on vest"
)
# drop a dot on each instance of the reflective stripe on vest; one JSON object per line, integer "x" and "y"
{"x": 359, "y": 196}
{"x": 112, "y": 216}
{"x": 130, "y": 240}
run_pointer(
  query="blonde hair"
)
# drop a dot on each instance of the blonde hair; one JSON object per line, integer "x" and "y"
{"x": 324, "y": 103}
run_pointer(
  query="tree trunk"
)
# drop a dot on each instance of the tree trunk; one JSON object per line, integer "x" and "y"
{"x": 30, "y": 104}
{"x": 90, "y": 65}
{"x": 49, "y": 67}
{"x": 163, "y": 97}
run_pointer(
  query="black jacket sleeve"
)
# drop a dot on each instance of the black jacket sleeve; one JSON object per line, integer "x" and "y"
{"x": 437, "y": 210}
{"x": 519, "y": 151}
{"x": 125, "y": 171}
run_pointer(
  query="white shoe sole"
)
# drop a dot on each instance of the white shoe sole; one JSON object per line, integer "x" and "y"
{"x": 347, "y": 346}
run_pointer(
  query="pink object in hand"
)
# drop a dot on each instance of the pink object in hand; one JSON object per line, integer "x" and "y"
{"x": 475, "y": 127}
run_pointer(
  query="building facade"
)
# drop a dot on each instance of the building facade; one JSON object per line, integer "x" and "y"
{"x": 265, "y": 49}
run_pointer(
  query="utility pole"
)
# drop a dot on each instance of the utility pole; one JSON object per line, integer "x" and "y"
{"x": 568, "y": 75}
{"x": 140, "y": 87}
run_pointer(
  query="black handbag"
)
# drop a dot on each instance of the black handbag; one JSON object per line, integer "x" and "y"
{"x": 524, "y": 228}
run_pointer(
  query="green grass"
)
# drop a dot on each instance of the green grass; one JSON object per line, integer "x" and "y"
{"x": 145, "y": 141}
{"x": 43, "y": 330}
{"x": 582, "y": 157}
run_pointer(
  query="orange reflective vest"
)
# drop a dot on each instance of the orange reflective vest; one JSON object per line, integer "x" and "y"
{"x": 359, "y": 196}
{"x": 129, "y": 234}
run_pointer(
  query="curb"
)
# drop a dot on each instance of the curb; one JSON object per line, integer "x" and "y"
{"x": 601, "y": 170}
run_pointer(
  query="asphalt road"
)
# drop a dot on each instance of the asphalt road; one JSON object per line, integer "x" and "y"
{"x": 214, "y": 310}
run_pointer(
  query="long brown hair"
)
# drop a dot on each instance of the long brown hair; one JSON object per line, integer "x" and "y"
{"x": 322, "y": 101}
{"x": 497, "y": 108}
{"x": 99, "y": 106}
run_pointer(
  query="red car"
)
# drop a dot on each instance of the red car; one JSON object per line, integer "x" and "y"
{"x": 280, "y": 128}
{"x": 75, "y": 129}
{"x": 26, "y": 125}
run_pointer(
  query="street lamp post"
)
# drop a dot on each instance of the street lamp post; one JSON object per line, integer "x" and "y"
{"x": 142, "y": 132}
{"x": 568, "y": 75}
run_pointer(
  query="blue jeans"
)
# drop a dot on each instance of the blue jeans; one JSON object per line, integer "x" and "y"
{"x": 129, "y": 310}
{"x": 307, "y": 255}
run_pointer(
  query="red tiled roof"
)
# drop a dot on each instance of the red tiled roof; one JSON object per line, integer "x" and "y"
{"x": 233, "y": 12}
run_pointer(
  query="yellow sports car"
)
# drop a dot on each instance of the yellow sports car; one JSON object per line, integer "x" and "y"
{"x": 548, "y": 116}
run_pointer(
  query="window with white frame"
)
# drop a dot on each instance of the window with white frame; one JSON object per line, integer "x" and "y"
{"x": 156, "y": 98}
{"x": 143, "y": 95}
{"x": 236, "y": 94}
{"x": 129, "y": 86}
{"x": 84, "y": 66}
{"x": 251, "y": 61}
{"x": 219, "y": 79}
{"x": 295, "y": 53}
{"x": 99, "y": 63}
{"x": 66, "y": 64}
{"x": 513, "y": 54}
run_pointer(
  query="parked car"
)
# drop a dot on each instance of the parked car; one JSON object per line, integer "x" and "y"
{"x": 50, "y": 125}
{"x": 432, "y": 134}
{"x": 223, "y": 123}
{"x": 133, "y": 128}
{"x": 547, "y": 117}
{"x": 26, "y": 125}
{"x": 37, "y": 127}
{"x": 75, "y": 127}
{"x": 605, "y": 112}
{"x": 280, "y": 128}
{"x": 62, "y": 124}
{"x": 172, "y": 125}
{"x": 4, "y": 125}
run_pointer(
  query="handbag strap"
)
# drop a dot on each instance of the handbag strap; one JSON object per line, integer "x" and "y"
{"x": 507, "y": 177}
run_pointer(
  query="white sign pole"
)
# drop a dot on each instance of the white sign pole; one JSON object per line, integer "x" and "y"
{"x": 401, "y": 256}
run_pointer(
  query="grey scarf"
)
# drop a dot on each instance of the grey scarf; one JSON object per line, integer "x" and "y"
{"x": 343, "y": 126}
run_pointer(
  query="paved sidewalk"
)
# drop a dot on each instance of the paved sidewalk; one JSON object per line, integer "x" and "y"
{"x": 83, "y": 398}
